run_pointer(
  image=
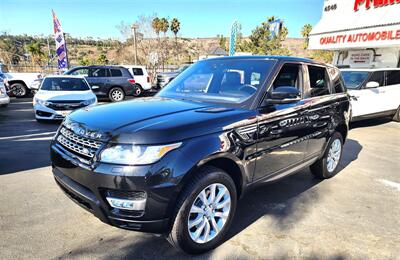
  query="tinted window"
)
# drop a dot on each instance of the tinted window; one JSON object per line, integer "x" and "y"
{"x": 80, "y": 72}
{"x": 289, "y": 76}
{"x": 319, "y": 81}
{"x": 220, "y": 81}
{"x": 392, "y": 77}
{"x": 378, "y": 76}
{"x": 64, "y": 84}
{"x": 137, "y": 71}
{"x": 116, "y": 73}
{"x": 354, "y": 79}
{"x": 99, "y": 72}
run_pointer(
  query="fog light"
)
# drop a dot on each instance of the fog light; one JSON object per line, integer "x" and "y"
{"x": 126, "y": 204}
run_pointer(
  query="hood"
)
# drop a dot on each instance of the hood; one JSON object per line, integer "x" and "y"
{"x": 64, "y": 95}
{"x": 157, "y": 120}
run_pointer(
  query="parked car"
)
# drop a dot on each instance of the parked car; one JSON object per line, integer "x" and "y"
{"x": 374, "y": 92}
{"x": 141, "y": 77}
{"x": 177, "y": 163}
{"x": 35, "y": 85}
{"x": 18, "y": 83}
{"x": 60, "y": 95}
{"x": 113, "y": 82}
{"x": 4, "y": 98}
{"x": 165, "y": 77}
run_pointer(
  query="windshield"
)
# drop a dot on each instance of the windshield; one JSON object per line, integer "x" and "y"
{"x": 181, "y": 69}
{"x": 354, "y": 79}
{"x": 229, "y": 81}
{"x": 64, "y": 84}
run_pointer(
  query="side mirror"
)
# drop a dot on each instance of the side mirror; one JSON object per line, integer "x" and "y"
{"x": 284, "y": 95}
{"x": 95, "y": 87}
{"x": 372, "y": 84}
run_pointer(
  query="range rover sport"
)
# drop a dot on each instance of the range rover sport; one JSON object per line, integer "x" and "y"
{"x": 177, "y": 163}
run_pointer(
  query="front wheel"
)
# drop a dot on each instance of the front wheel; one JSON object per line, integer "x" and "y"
{"x": 204, "y": 212}
{"x": 19, "y": 90}
{"x": 326, "y": 167}
{"x": 116, "y": 94}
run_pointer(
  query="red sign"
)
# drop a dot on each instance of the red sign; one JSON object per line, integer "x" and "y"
{"x": 375, "y": 3}
{"x": 361, "y": 37}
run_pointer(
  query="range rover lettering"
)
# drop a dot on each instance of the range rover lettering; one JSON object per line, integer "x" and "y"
{"x": 177, "y": 163}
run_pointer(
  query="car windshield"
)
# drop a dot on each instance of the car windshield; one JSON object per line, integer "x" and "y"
{"x": 64, "y": 84}
{"x": 354, "y": 79}
{"x": 228, "y": 81}
{"x": 181, "y": 69}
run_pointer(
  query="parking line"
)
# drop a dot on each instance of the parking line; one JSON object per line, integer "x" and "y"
{"x": 391, "y": 184}
{"x": 26, "y": 136}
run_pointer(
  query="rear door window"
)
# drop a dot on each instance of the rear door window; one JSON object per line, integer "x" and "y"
{"x": 80, "y": 72}
{"x": 319, "y": 81}
{"x": 98, "y": 72}
{"x": 392, "y": 77}
{"x": 116, "y": 73}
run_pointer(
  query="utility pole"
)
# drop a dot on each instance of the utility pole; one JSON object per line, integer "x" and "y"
{"x": 134, "y": 28}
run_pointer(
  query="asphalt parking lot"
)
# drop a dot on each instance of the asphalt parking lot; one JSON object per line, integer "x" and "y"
{"x": 356, "y": 214}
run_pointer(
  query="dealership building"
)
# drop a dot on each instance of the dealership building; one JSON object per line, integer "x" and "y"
{"x": 362, "y": 33}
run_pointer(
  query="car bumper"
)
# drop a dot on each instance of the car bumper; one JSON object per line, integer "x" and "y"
{"x": 46, "y": 113}
{"x": 4, "y": 100}
{"x": 90, "y": 186}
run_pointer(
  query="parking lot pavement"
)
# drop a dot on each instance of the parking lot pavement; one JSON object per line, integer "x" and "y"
{"x": 353, "y": 215}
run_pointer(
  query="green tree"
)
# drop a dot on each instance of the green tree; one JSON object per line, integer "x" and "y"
{"x": 36, "y": 52}
{"x": 175, "y": 27}
{"x": 262, "y": 42}
{"x": 222, "y": 41}
{"x": 305, "y": 32}
{"x": 155, "y": 24}
{"x": 102, "y": 59}
{"x": 164, "y": 25}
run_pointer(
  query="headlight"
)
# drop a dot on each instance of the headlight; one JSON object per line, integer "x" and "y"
{"x": 135, "y": 154}
{"x": 89, "y": 101}
{"x": 40, "y": 102}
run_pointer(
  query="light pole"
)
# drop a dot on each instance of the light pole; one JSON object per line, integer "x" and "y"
{"x": 134, "y": 28}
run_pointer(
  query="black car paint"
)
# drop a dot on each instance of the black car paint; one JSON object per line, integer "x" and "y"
{"x": 106, "y": 83}
{"x": 258, "y": 143}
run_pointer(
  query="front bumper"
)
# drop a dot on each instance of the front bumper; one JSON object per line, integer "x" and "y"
{"x": 87, "y": 187}
{"x": 46, "y": 113}
{"x": 4, "y": 100}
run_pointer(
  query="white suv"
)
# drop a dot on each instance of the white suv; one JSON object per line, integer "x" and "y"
{"x": 60, "y": 95}
{"x": 140, "y": 76}
{"x": 374, "y": 92}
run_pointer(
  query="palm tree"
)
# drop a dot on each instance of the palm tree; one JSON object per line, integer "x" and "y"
{"x": 164, "y": 25}
{"x": 36, "y": 52}
{"x": 175, "y": 27}
{"x": 305, "y": 32}
{"x": 155, "y": 24}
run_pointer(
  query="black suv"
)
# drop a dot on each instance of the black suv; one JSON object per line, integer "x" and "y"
{"x": 114, "y": 82}
{"x": 177, "y": 163}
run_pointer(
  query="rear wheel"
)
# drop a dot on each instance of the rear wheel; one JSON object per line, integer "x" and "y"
{"x": 137, "y": 91}
{"x": 326, "y": 167}
{"x": 19, "y": 90}
{"x": 204, "y": 212}
{"x": 396, "y": 116}
{"x": 116, "y": 94}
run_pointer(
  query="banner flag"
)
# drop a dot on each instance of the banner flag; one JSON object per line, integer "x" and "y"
{"x": 232, "y": 43}
{"x": 61, "y": 48}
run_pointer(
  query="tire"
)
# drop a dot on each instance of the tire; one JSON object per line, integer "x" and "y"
{"x": 184, "y": 239}
{"x": 396, "y": 116}
{"x": 116, "y": 94}
{"x": 19, "y": 90}
{"x": 327, "y": 166}
{"x": 137, "y": 91}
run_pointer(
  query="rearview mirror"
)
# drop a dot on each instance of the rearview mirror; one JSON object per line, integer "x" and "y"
{"x": 372, "y": 84}
{"x": 284, "y": 95}
{"x": 95, "y": 87}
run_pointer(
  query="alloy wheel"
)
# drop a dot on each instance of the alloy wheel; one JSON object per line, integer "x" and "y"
{"x": 334, "y": 155}
{"x": 117, "y": 95}
{"x": 18, "y": 90}
{"x": 209, "y": 213}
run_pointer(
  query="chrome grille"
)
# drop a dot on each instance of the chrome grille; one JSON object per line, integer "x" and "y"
{"x": 80, "y": 146}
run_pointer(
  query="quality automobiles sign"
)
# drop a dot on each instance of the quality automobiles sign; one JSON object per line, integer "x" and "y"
{"x": 375, "y": 3}
{"x": 389, "y": 35}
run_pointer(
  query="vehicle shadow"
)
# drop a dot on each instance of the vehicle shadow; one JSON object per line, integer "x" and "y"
{"x": 370, "y": 122}
{"x": 287, "y": 202}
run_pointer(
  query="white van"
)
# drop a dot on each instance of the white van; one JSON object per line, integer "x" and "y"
{"x": 140, "y": 76}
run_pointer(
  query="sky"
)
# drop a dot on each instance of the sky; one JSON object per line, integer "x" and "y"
{"x": 199, "y": 18}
